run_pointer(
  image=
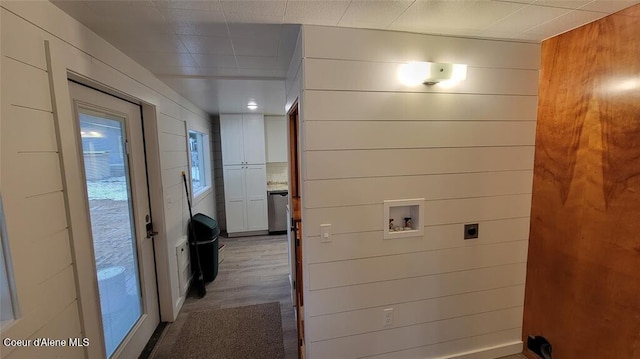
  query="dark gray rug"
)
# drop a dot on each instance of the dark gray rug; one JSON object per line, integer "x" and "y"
{"x": 254, "y": 331}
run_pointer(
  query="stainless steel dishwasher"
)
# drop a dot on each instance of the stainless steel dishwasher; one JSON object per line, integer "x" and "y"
{"x": 277, "y": 202}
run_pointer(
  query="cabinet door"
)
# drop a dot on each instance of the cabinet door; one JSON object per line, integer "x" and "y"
{"x": 231, "y": 136}
{"x": 254, "y": 146}
{"x": 235, "y": 198}
{"x": 275, "y": 133}
{"x": 256, "y": 187}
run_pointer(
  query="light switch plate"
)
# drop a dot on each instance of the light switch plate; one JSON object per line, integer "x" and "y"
{"x": 325, "y": 233}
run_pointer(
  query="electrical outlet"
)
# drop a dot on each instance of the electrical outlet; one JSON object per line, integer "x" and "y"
{"x": 387, "y": 317}
{"x": 325, "y": 233}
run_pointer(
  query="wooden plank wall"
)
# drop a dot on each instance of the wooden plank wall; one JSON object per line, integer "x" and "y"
{"x": 31, "y": 174}
{"x": 468, "y": 150}
{"x": 584, "y": 255}
{"x": 32, "y": 191}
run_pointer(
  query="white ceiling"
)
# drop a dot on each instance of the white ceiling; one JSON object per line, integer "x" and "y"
{"x": 221, "y": 54}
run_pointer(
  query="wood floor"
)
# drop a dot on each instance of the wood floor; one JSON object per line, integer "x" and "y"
{"x": 255, "y": 270}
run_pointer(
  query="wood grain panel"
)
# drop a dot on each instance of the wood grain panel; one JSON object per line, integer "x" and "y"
{"x": 372, "y": 244}
{"x": 371, "y": 106}
{"x": 390, "y": 340}
{"x": 378, "y": 163}
{"x": 374, "y": 76}
{"x": 411, "y": 313}
{"x": 366, "y": 270}
{"x": 361, "y": 191}
{"x": 345, "y": 135}
{"x": 583, "y": 282}
{"x": 334, "y": 300}
{"x": 387, "y": 46}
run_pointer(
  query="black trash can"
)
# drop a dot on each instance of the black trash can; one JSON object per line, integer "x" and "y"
{"x": 206, "y": 231}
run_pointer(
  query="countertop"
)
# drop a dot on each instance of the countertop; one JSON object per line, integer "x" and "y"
{"x": 277, "y": 186}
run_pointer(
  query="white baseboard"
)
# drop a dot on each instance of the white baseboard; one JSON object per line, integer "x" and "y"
{"x": 248, "y": 234}
{"x": 497, "y": 351}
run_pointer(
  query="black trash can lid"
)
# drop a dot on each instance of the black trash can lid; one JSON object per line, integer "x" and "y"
{"x": 205, "y": 227}
{"x": 204, "y": 220}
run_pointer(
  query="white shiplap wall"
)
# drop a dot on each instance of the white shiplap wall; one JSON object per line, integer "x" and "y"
{"x": 468, "y": 150}
{"x": 293, "y": 81}
{"x": 31, "y": 173}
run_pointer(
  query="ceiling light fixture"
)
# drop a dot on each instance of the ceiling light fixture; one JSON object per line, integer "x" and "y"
{"x": 431, "y": 73}
{"x": 252, "y": 105}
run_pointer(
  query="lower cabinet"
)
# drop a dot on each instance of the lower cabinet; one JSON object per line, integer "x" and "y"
{"x": 245, "y": 191}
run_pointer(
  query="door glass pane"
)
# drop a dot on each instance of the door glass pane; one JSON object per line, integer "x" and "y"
{"x": 112, "y": 224}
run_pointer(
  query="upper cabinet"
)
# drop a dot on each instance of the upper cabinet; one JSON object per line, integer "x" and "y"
{"x": 275, "y": 128}
{"x": 242, "y": 138}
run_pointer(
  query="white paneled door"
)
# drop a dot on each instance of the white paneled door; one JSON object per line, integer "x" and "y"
{"x": 256, "y": 182}
{"x": 235, "y": 198}
{"x": 254, "y": 145}
{"x": 120, "y": 309}
{"x": 232, "y": 143}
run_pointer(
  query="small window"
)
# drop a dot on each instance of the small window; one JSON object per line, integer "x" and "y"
{"x": 198, "y": 152}
{"x": 7, "y": 312}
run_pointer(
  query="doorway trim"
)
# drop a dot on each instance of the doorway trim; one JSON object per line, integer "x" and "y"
{"x": 295, "y": 232}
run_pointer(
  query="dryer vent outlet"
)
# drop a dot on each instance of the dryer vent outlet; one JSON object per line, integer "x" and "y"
{"x": 471, "y": 231}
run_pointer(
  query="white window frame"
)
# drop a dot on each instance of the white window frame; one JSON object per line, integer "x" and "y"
{"x": 6, "y": 277}
{"x": 206, "y": 151}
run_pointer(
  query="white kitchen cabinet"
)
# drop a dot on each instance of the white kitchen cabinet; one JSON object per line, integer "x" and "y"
{"x": 242, "y": 138}
{"x": 245, "y": 190}
{"x": 275, "y": 129}
{"x": 245, "y": 172}
{"x": 256, "y": 186}
{"x": 235, "y": 198}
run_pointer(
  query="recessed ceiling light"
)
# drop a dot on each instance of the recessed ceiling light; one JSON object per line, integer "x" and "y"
{"x": 252, "y": 105}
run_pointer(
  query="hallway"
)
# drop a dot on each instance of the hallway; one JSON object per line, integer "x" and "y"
{"x": 254, "y": 270}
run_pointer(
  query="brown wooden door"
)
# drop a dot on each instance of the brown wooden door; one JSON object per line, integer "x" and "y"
{"x": 296, "y": 220}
